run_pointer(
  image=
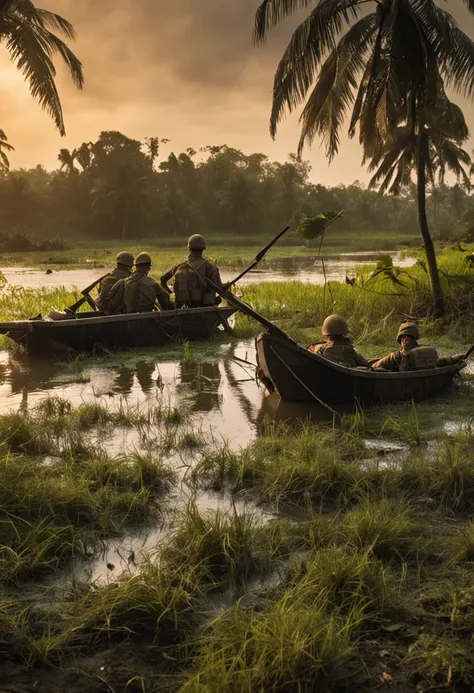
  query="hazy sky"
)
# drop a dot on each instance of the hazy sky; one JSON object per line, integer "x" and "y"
{"x": 182, "y": 69}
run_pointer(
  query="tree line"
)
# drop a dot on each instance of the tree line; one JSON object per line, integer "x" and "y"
{"x": 118, "y": 187}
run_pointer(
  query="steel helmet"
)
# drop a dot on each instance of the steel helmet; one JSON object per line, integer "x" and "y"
{"x": 124, "y": 258}
{"x": 409, "y": 329}
{"x": 196, "y": 242}
{"x": 335, "y": 325}
{"x": 143, "y": 259}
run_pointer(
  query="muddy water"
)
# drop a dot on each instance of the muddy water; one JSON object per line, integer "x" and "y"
{"x": 304, "y": 269}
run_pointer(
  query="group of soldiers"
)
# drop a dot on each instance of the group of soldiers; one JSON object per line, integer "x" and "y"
{"x": 130, "y": 289}
{"x": 409, "y": 357}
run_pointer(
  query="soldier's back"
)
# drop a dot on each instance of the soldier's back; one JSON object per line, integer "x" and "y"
{"x": 342, "y": 353}
{"x": 106, "y": 284}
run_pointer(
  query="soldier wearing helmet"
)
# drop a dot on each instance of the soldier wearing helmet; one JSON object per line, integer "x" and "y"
{"x": 190, "y": 277}
{"x": 411, "y": 356}
{"x": 122, "y": 270}
{"x": 338, "y": 347}
{"x": 138, "y": 293}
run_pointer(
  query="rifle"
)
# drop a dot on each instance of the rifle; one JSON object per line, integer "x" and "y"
{"x": 86, "y": 298}
{"x": 258, "y": 257}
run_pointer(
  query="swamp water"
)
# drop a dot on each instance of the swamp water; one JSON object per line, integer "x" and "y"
{"x": 216, "y": 399}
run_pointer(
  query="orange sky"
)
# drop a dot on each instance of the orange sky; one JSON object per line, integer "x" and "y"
{"x": 180, "y": 69}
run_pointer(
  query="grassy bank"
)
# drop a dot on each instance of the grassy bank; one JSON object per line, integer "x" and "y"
{"x": 348, "y": 568}
{"x": 374, "y": 306}
{"x": 229, "y": 250}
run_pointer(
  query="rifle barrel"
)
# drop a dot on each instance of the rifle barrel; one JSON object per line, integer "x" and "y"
{"x": 259, "y": 256}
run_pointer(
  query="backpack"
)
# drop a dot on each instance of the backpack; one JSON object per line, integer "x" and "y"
{"x": 189, "y": 284}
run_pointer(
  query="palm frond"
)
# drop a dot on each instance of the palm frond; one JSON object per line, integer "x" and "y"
{"x": 272, "y": 12}
{"x": 315, "y": 36}
{"x": 333, "y": 92}
{"x": 32, "y": 47}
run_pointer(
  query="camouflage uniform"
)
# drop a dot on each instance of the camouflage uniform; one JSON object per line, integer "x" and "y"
{"x": 190, "y": 277}
{"x": 340, "y": 350}
{"x": 190, "y": 289}
{"x": 415, "y": 358}
{"x": 138, "y": 294}
{"x": 106, "y": 284}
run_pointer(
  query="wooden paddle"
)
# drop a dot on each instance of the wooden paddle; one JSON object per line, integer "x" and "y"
{"x": 248, "y": 310}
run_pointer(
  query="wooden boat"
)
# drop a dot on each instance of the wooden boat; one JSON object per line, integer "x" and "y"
{"x": 298, "y": 375}
{"x": 90, "y": 330}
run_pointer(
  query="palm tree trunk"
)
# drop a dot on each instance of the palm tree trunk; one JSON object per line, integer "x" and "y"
{"x": 439, "y": 307}
{"x": 125, "y": 224}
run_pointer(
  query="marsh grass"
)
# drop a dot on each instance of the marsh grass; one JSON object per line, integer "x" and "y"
{"x": 223, "y": 547}
{"x": 357, "y": 556}
{"x": 52, "y": 512}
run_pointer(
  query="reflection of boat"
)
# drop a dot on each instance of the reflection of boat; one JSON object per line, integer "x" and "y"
{"x": 299, "y": 375}
{"x": 87, "y": 331}
{"x": 294, "y": 414}
{"x": 204, "y": 380}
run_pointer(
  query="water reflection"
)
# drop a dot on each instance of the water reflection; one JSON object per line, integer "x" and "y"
{"x": 306, "y": 269}
{"x": 221, "y": 396}
{"x": 204, "y": 380}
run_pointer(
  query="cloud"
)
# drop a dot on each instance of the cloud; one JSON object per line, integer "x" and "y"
{"x": 184, "y": 69}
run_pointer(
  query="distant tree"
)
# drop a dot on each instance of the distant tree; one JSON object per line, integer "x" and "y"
{"x": 457, "y": 201}
{"x": 122, "y": 197}
{"x": 83, "y": 155}
{"x": 152, "y": 147}
{"x": 239, "y": 199}
{"x": 32, "y": 37}
{"x": 66, "y": 159}
{"x": 437, "y": 197}
{"x": 4, "y": 147}
{"x": 178, "y": 211}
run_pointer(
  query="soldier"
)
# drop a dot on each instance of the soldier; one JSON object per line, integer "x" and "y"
{"x": 190, "y": 286}
{"x": 139, "y": 292}
{"x": 338, "y": 347}
{"x": 412, "y": 356}
{"x": 122, "y": 270}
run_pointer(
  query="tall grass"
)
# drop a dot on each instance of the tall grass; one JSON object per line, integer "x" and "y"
{"x": 374, "y": 308}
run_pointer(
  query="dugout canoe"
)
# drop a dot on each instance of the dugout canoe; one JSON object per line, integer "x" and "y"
{"x": 298, "y": 375}
{"x": 89, "y": 330}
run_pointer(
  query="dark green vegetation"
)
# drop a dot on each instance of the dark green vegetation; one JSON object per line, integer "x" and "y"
{"x": 384, "y": 65}
{"x": 118, "y": 187}
{"x": 344, "y": 561}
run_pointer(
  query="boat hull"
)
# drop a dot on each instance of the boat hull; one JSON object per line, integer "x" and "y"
{"x": 298, "y": 375}
{"x": 89, "y": 331}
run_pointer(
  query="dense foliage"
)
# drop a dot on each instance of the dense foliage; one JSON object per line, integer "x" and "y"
{"x": 119, "y": 187}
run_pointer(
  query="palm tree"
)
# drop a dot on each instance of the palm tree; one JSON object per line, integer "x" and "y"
{"x": 388, "y": 60}
{"x": 178, "y": 211}
{"x": 122, "y": 197}
{"x": 4, "y": 147}
{"x": 32, "y": 37}
{"x": 83, "y": 155}
{"x": 66, "y": 159}
{"x": 239, "y": 198}
{"x": 430, "y": 152}
{"x": 437, "y": 197}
